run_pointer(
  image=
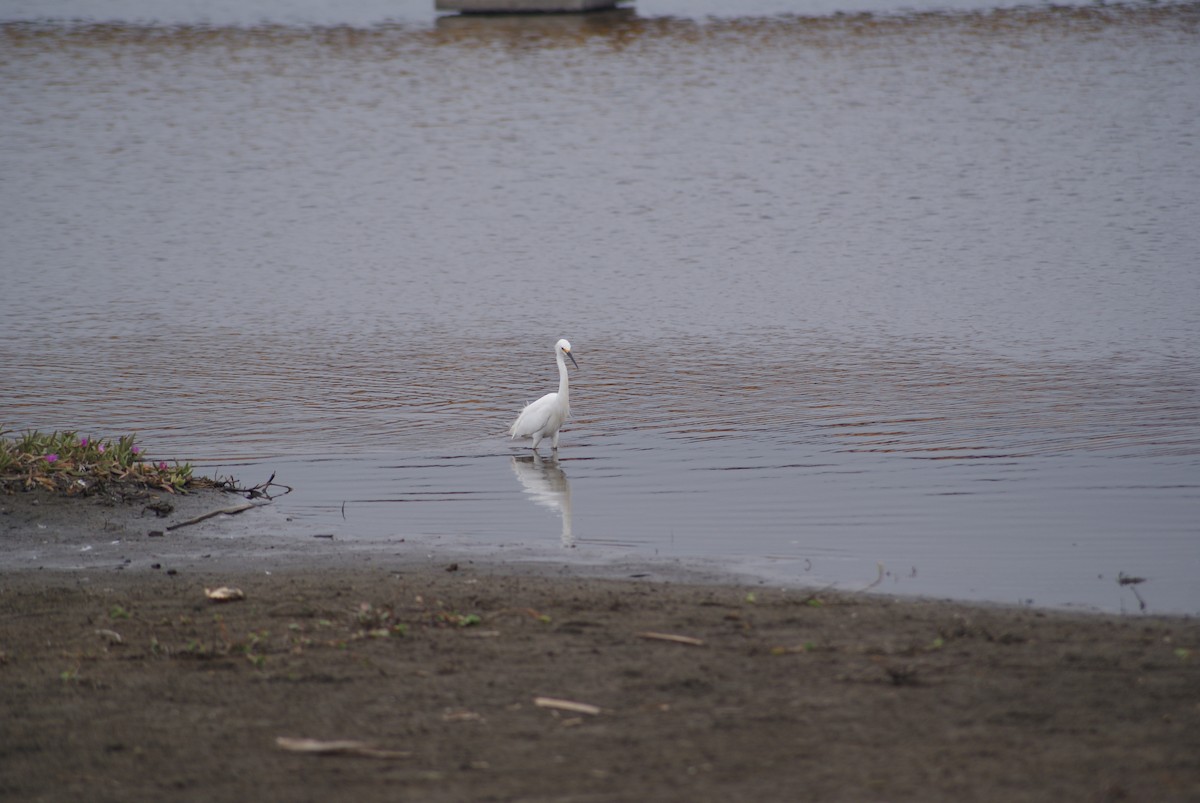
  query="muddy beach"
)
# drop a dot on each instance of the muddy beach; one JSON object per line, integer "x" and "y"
{"x": 477, "y": 680}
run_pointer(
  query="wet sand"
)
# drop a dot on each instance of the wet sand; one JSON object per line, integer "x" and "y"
{"x": 122, "y": 681}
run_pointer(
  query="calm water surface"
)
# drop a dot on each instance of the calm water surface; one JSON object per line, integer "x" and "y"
{"x": 918, "y": 291}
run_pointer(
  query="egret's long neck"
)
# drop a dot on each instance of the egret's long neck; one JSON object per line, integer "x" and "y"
{"x": 562, "y": 377}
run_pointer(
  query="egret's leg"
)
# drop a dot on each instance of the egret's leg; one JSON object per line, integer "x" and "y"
{"x": 554, "y": 442}
{"x": 537, "y": 438}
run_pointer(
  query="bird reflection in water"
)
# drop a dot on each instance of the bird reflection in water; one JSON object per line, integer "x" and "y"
{"x": 547, "y": 486}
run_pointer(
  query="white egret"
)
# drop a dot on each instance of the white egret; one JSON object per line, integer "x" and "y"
{"x": 546, "y": 415}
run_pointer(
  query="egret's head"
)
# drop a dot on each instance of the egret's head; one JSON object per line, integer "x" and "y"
{"x": 564, "y": 347}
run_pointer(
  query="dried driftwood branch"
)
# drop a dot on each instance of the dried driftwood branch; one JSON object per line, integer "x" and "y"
{"x": 227, "y": 510}
{"x": 260, "y": 491}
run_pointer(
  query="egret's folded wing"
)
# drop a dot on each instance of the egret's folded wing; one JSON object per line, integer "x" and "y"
{"x": 534, "y": 417}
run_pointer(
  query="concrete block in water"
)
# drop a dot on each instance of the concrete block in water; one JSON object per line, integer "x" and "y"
{"x": 521, "y": 6}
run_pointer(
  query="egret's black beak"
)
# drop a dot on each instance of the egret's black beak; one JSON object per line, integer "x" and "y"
{"x": 572, "y": 356}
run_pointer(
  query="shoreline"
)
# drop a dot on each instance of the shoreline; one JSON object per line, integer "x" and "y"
{"x": 47, "y": 532}
{"x": 448, "y": 681}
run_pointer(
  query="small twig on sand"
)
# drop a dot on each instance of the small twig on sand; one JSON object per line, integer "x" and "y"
{"x": 566, "y": 705}
{"x": 228, "y": 511}
{"x": 342, "y": 747}
{"x": 694, "y": 642}
{"x": 225, "y": 594}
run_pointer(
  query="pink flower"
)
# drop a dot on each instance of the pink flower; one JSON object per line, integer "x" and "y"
{"x": 100, "y": 448}
{"x": 136, "y": 449}
{"x": 83, "y": 442}
{"x": 50, "y": 458}
{"x": 162, "y": 466}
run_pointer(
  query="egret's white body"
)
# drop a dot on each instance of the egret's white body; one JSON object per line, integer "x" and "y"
{"x": 546, "y": 416}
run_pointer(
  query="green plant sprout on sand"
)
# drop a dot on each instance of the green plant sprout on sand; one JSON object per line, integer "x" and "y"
{"x": 66, "y": 463}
